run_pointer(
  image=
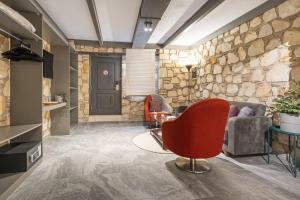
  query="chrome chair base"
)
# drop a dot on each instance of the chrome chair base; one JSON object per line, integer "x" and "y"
{"x": 196, "y": 166}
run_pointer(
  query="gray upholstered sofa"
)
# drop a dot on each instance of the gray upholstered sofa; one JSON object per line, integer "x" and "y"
{"x": 246, "y": 135}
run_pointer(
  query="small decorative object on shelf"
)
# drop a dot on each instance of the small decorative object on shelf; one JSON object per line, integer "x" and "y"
{"x": 288, "y": 107}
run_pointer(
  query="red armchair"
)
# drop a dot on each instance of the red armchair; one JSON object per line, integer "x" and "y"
{"x": 197, "y": 134}
{"x": 148, "y": 117}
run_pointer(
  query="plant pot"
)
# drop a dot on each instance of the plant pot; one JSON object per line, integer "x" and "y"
{"x": 289, "y": 123}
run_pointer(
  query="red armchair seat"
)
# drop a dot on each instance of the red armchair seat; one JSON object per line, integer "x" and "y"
{"x": 198, "y": 133}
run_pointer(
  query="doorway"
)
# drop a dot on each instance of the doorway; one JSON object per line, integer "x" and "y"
{"x": 105, "y": 85}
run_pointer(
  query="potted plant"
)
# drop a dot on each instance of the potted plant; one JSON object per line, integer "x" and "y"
{"x": 288, "y": 107}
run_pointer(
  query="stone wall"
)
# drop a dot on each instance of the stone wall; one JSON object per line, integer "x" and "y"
{"x": 4, "y": 83}
{"x": 131, "y": 111}
{"x": 46, "y": 96}
{"x": 252, "y": 62}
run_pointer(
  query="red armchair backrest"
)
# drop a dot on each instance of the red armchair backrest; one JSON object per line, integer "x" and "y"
{"x": 147, "y": 103}
{"x": 199, "y": 131}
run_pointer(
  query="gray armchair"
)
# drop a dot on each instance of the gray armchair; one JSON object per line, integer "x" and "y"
{"x": 246, "y": 136}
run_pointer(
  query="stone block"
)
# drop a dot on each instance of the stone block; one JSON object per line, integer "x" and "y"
{"x": 273, "y": 43}
{"x": 232, "y": 58}
{"x": 242, "y": 53}
{"x": 232, "y": 89}
{"x": 217, "y": 69}
{"x": 255, "y": 22}
{"x": 280, "y": 25}
{"x": 287, "y": 9}
{"x": 269, "y": 15}
{"x": 278, "y": 73}
{"x": 291, "y": 37}
{"x": 263, "y": 90}
{"x": 256, "y": 48}
{"x": 243, "y": 28}
{"x": 258, "y": 75}
{"x": 250, "y": 36}
{"x": 265, "y": 30}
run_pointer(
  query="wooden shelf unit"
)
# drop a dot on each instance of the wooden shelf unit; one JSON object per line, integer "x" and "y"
{"x": 26, "y": 108}
{"x": 73, "y": 87}
{"x": 54, "y": 106}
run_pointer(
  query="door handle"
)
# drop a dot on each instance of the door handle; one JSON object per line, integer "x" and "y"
{"x": 117, "y": 87}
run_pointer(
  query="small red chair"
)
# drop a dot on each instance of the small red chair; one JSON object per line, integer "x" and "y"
{"x": 148, "y": 115}
{"x": 197, "y": 134}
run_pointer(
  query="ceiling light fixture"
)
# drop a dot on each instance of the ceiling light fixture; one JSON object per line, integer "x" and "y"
{"x": 148, "y": 26}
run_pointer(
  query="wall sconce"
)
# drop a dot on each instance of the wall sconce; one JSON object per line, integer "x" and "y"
{"x": 148, "y": 26}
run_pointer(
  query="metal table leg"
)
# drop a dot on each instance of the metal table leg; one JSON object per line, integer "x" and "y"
{"x": 295, "y": 156}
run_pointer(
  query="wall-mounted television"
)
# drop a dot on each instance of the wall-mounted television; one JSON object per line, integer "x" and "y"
{"x": 47, "y": 64}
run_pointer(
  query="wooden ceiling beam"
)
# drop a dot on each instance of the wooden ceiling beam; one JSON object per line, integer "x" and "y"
{"x": 95, "y": 19}
{"x": 150, "y": 10}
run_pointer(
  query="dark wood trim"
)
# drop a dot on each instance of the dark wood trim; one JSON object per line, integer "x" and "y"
{"x": 246, "y": 17}
{"x": 152, "y": 10}
{"x": 201, "y": 13}
{"x": 94, "y": 15}
{"x": 94, "y": 43}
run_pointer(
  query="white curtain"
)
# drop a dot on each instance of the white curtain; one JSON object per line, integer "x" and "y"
{"x": 140, "y": 74}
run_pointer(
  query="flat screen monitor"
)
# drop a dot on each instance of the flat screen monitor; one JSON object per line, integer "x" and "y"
{"x": 47, "y": 64}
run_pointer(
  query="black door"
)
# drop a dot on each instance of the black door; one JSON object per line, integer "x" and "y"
{"x": 105, "y": 86}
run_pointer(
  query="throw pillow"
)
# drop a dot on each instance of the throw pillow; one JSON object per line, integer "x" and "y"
{"x": 246, "y": 112}
{"x": 233, "y": 111}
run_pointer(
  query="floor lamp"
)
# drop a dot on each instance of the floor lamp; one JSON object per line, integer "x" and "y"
{"x": 189, "y": 67}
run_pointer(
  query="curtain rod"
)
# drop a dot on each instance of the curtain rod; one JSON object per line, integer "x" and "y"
{"x": 15, "y": 37}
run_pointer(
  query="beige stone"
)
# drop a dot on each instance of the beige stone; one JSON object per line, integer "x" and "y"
{"x": 243, "y": 28}
{"x": 205, "y": 93}
{"x": 256, "y": 48}
{"x": 229, "y": 38}
{"x": 291, "y": 37}
{"x": 175, "y": 80}
{"x": 2, "y": 105}
{"x": 183, "y": 84}
{"x": 247, "y": 89}
{"x": 295, "y": 73}
{"x": 163, "y": 72}
{"x": 217, "y": 69}
{"x": 232, "y": 58}
{"x": 255, "y": 22}
{"x": 209, "y": 78}
{"x": 224, "y": 47}
{"x": 222, "y": 60}
{"x": 232, "y": 89}
{"x": 219, "y": 78}
{"x": 216, "y": 88}
{"x": 250, "y": 37}
{"x": 237, "y": 40}
{"x": 270, "y": 57}
{"x": 237, "y": 78}
{"x": 297, "y": 52}
{"x": 212, "y": 51}
{"x": 263, "y": 90}
{"x": 172, "y": 93}
{"x": 242, "y": 53}
{"x": 168, "y": 86}
{"x": 228, "y": 79}
{"x": 235, "y": 30}
{"x": 273, "y": 43}
{"x": 257, "y": 75}
{"x": 287, "y": 9}
{"x": 170, "y": 73}
{"x": 269, "y": 15}
{"x": 226, "y": 70}
{"x": 6, "y": 89}
{"x": 207, "y": 69}
{"x": 296, "y": 23}
{"x": 295, "y": 3}
{"x": 265, "y": 30}
{"x": 280, "y": 25}
{"x": 237, "y": 67}
{"x": 278, "y": 73}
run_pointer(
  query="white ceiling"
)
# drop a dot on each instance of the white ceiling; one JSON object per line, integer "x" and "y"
{"x": 225, "y": 13}
{"x": 72, "y": 17}
{"x": 118, "y": 19}
{"x": 174, "y": 17}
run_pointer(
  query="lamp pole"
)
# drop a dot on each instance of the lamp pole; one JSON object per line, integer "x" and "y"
{"x": 189, "y": 67}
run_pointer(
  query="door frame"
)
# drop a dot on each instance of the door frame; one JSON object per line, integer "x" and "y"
{"x": 118, "y": 56}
